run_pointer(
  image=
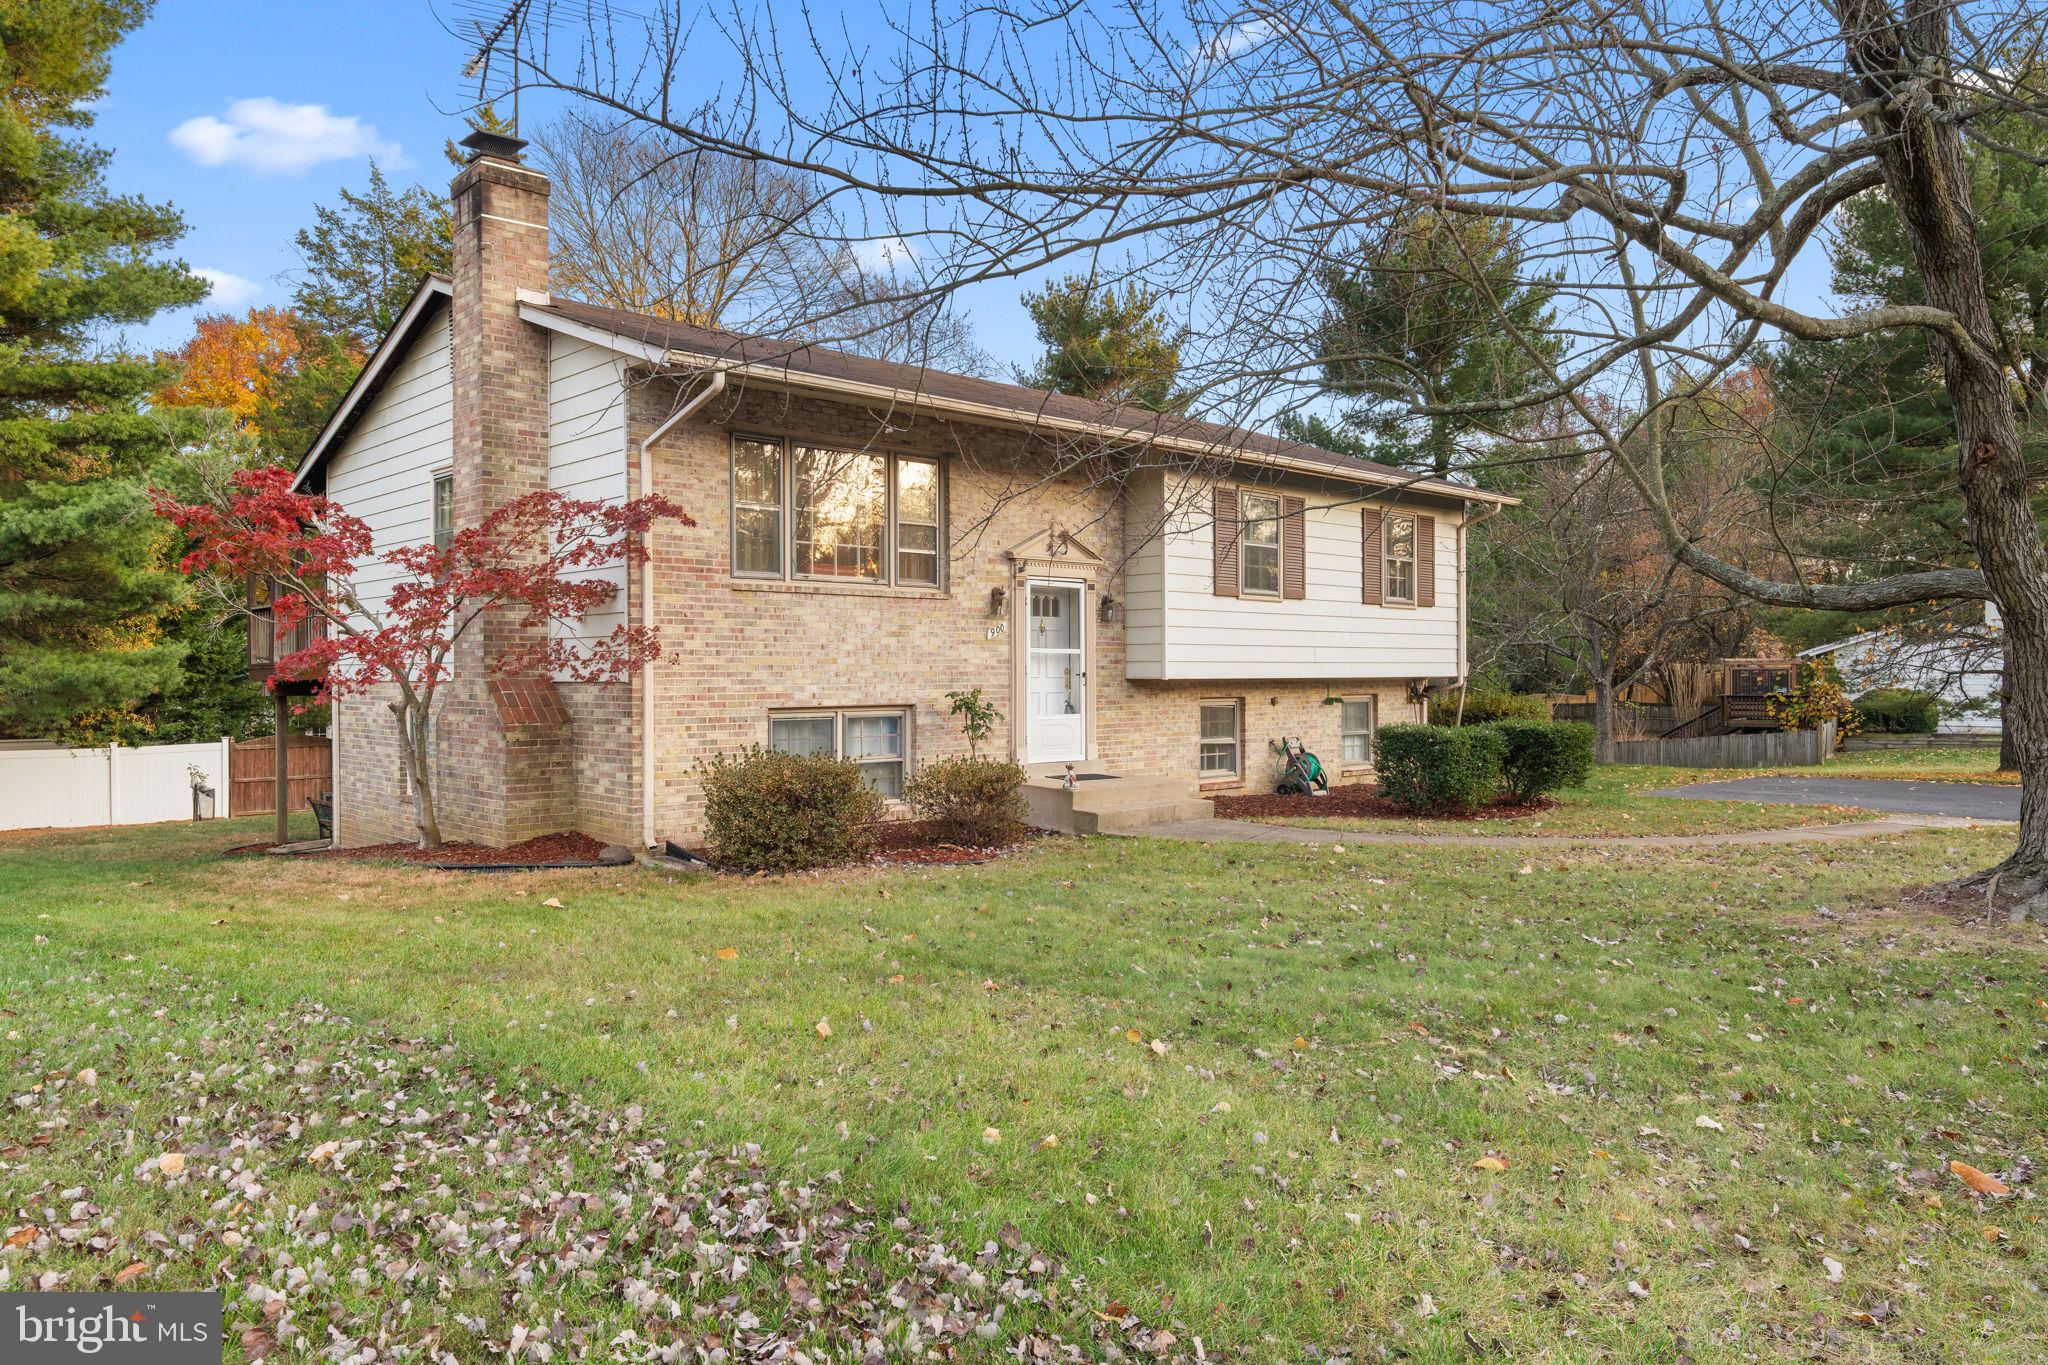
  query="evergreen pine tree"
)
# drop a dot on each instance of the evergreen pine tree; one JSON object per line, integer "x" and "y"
{"x": 83, "y": 582}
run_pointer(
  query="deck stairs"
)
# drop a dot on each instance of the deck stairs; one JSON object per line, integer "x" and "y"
{"x": 1101, "y": 802}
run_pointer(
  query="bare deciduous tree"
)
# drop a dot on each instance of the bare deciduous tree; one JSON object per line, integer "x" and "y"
{"x": 1669, "y": 162}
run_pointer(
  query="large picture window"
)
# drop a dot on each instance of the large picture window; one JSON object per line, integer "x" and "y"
{"x": 810, "y": 511}
{"x": 874, "y": 740}
{"x": 1400, "y": 556}
{"x": 1259, "y": 548}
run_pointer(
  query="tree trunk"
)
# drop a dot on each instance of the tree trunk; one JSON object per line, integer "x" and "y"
{"x": 2008, "y": 752}
{"x": 1929, "y": 183}
{"x": 417, "y": 765}
{"x": 1603, "y": 719}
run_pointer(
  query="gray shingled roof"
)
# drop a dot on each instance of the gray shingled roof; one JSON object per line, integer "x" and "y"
{"x": 764, "y": 356}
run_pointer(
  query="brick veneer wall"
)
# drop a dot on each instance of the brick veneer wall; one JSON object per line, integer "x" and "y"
{"x": 748, "y": 648}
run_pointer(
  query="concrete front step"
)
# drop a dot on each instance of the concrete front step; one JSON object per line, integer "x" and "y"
{"x": 1111, "y": 805}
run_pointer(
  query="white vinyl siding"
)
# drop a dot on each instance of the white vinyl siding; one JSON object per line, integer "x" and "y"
{"x": 587, "y": 451}
{"x": 1177, "y": 627}
{"x": 384, "y": 472}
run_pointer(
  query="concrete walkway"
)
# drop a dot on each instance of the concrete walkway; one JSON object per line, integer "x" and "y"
{"x": 1246, "y": 832}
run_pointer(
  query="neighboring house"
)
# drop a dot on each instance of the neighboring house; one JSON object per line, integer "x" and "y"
{"x": 1147, "y": 597}
{"x": 1964, "y": 667}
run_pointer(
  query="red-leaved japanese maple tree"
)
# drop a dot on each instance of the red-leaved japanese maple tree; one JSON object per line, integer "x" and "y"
{"x": 528, "y": 562}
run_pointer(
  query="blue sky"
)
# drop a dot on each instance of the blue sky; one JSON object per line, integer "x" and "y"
{"x": 246, "y": 113}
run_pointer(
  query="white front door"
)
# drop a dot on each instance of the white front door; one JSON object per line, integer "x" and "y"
{"x": 1056, "y": 672}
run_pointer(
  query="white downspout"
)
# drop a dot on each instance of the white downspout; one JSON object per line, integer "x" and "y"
{"x": 674, "y": 419}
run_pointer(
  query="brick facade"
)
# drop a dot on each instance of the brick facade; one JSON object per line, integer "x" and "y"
{"x": 747, "y": 648}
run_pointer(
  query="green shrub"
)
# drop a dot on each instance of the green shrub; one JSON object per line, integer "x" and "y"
{"x": 1439, "y": 769}
{"x": 1486, "y": 703}
{"x": 1542, "y": 756}
{"x": 1899, "y": 711}
{"x": 767, "y": 811}
{"x": 974, "y": 801}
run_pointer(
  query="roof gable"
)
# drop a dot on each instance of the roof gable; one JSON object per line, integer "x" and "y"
{"x": 427, "y": 300}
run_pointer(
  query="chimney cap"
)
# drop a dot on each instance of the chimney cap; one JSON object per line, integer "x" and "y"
{"x": 482, "y": 142}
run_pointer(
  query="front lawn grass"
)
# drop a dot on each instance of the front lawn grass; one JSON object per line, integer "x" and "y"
{"x": 1706, "y": 1093}
{"x": 1615, "y": 802}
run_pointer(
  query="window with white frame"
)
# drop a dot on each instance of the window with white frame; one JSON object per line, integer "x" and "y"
{"x": 1220, "y": 745}
{"x": 1258, "y": 554}
{"x": 1355, "y": 725}
{"x": 810, "y": 511}
{"x": 1399, "y": 543}
{"x": 444, "y": 509}
{"x": 876, "y": 741}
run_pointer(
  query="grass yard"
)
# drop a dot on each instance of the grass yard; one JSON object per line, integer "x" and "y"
{"x": 1603, "y": 1104}
{"x": 1614, "y": 801}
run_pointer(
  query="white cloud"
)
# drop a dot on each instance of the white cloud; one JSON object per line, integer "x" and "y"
{"x": 884, "y": 255}
{"x": 230, "y": 291}
{"x": 271, "y": 137}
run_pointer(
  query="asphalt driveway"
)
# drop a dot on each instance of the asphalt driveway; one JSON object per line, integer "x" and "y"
{"x": 1964, "y": 800}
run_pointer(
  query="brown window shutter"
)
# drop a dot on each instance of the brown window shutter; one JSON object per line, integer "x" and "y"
{"x": 1375, "y": 564}
{"x": 1227, "y": 530}
{"x": 1425, "y": 561}
{"x": 1293, "y": 549}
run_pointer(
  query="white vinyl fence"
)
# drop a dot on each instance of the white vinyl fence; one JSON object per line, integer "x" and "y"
{"x": 68, "y": 788}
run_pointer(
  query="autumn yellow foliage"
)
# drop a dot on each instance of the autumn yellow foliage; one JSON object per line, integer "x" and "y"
{"x": 232, "y": 363}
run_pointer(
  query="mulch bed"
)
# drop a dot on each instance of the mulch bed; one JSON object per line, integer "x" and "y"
{"x": 914, "y": 841}
{"x": 545, "y": 850}
{"x": 1362, "y": 799}
{"x": 897, "y": 842}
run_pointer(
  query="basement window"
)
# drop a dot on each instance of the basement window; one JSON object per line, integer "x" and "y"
{"x": 875, "y": 741}
{"x": 1220, "y": 746}
{"x": 1356, "y": 727}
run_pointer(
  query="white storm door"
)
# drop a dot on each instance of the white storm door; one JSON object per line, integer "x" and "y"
{"x": 1056, "y": 673}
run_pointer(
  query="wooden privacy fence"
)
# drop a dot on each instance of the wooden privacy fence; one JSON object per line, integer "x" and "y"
{"x": 1757, "y": 749}
{"x": 252, "y": 774}
{"x": 1629, "y": 718}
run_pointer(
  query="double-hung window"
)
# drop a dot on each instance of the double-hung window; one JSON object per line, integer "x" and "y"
{"x": 1258, "y": 555}
{"x": 1219, "y": 752}
{"x": 811, "y": 511}
{"x": 444, "y": 509}
{"x": 1399, "y": 549}
{"x": 876, "y": 741}
{"x": 1356, "y": 738}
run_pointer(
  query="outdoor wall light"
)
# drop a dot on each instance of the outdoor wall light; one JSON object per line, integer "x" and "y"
{"x": 998, "y": 598}
{"x": 1108, "y": 611}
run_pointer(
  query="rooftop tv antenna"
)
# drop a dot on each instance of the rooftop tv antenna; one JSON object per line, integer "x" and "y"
{"x": 489, "y": 34}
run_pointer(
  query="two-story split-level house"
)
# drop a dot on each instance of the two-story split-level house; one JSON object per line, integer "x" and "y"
{"x": 1148, "y": 598}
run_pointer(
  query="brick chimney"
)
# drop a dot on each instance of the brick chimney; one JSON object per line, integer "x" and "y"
{"x": 504, "y": 743}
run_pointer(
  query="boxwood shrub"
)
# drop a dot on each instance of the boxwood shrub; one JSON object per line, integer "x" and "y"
{"x": 1543, "y": 755}
{"x": 969, "y": 800}
{"x": 1899, "y": 711}
{"x": 1439, "y": 769}
{"x": 1487, "y": 702}
{"x": 768, "y": 811}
